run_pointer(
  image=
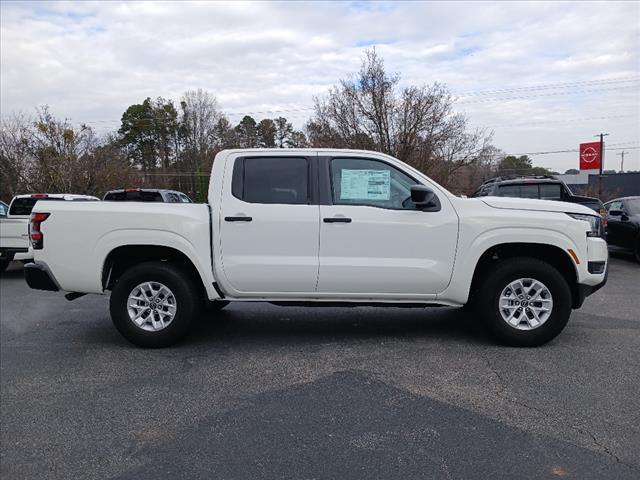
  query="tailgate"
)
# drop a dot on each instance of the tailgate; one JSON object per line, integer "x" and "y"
{"x": 14, "y": 233}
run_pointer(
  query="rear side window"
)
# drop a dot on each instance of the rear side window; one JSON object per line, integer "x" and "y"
{"x": 23, "y": 206}
{"x": 136, "y": 196}
{"x": 271, "y": 180}
{"x": 519, "y": 191}
{"x": 3, "y": 210}
{"x": 550, "y": 191}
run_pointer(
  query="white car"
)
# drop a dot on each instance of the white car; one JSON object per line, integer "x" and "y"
{"x": 319, "y": 227}
{"x": 14, "y": 225}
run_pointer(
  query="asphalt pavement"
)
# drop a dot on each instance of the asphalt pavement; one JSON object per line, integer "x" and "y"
{"x": 259, "y": 391}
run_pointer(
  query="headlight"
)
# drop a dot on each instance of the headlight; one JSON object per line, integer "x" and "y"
{"x": 595, "y": 223}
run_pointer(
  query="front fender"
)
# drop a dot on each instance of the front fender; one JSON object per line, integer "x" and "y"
{"x": 471, "y": 252}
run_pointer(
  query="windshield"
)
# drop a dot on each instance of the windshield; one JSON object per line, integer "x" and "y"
{"x": 23, "y": 206}
{"x": 133, "y": 196}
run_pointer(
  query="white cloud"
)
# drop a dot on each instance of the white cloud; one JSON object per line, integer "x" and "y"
{"x": 89, "y": 61}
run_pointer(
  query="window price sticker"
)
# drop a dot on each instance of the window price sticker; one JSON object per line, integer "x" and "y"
{"x": 365, "y": 185}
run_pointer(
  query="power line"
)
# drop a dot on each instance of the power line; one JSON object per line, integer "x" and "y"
{"x": 548, "y": 94}
{"x": 566, "y": 120}
{"x": 553, "y": 152}
{"x": 550, "y": 86}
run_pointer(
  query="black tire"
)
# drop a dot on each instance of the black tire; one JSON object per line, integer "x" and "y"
{"x": 181, "y": 285}
{"x": 4, "y": 264}
{"x": 497, "y": 278}
{"x": 636, "y": 250}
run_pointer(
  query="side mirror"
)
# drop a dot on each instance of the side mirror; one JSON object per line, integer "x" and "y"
{"x": 421, "y": 195}
{"x": 615, "y": 213}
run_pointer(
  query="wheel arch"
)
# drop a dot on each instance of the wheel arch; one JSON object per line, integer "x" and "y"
{"x": 554, "y": 255}
{"x": 123, "y": 258}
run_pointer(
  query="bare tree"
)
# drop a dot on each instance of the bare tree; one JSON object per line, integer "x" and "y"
{"x": 47, "y": 154}
{"x": 200, "y": 117}
{"x": 16, "y": 164}
{"x": 416, "y": 124}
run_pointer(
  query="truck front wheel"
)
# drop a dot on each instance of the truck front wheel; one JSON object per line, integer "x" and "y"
{"x": 525, "y": 301}
{"x": 152, "y": 305}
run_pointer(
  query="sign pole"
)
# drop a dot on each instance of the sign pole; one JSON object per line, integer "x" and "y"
{"x": 602, "y": 135}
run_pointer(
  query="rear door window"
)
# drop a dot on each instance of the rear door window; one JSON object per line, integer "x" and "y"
{"x": 272, "y": 180}
{"x": 519, "y": 191}
{"x": 529, "y": 191}
{"x": 509, "y": 191}
{"x": 550, "y": 191}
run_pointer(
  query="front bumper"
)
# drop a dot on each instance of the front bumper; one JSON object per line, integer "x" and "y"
{"x": 39, "y": 277}
{"x": 583, "y": 291}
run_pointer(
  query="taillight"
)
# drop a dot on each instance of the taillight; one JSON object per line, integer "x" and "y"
{"x": 35, "y": 234}
{"x": 39, "y": 195}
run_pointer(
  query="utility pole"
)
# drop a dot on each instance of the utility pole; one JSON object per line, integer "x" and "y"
{"x": 622, "y": 161}
{"x": 602, "y": 135}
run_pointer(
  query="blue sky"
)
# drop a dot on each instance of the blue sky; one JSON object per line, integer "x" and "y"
{"x": 559, "y": 71}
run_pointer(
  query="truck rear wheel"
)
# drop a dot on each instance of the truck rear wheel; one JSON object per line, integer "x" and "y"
{"x": 526, "y": 302}
{"x": 153, "y": 304}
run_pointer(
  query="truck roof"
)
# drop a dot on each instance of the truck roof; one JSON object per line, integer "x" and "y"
{"x": 524, "y": 179}
{"x": 65, "y": 196}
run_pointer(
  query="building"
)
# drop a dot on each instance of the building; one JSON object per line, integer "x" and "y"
{"x": 613, "y": 184}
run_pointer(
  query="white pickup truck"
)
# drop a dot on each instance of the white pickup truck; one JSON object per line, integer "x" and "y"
{"x": 14, "y": 224}
{"x": 318, "y": 227}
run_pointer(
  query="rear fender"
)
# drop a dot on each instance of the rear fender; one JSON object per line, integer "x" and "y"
{"x": 160, "y": 238}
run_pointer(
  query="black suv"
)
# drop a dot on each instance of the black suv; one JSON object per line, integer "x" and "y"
{"x": 543, "y": 187}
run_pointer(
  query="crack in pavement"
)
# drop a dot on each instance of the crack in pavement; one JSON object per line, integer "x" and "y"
{"x": 500, "y": 392}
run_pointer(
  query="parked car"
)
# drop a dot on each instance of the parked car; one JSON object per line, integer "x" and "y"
{"x": 320, "y": 227}
{"x": 146, "y": 195}
{"x": 543, "y": 187}
{"x": 14, "y": 231}
{"x": 623, "y": 224}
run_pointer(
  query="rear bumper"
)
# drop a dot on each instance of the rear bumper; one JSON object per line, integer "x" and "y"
{"x": 15, "y": 253}
{"x": 39, "y": 277}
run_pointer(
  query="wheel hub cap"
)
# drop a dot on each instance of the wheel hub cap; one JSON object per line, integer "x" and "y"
{"x": 151, "y": 306}
{"x": 525, "y": 304}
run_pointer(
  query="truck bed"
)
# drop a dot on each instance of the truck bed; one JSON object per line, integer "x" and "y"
{"x": 78, "y": 237}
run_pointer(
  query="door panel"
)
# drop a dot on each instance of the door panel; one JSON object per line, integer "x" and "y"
{"x": 276, "y": 251}
{"x": 614, "y": 224}
{"x": 383, "y": 244}
{"x": 386, "y": 251}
